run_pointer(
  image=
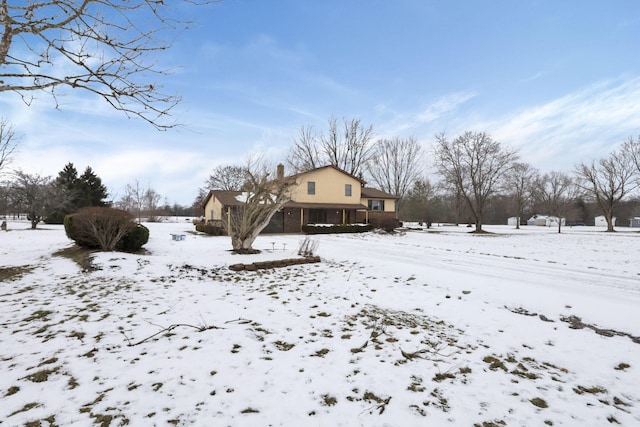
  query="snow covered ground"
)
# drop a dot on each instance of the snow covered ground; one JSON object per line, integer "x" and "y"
{"x": 439, "y": 327}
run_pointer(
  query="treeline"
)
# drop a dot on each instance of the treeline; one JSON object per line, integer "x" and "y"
{"x": 49, "y": 200}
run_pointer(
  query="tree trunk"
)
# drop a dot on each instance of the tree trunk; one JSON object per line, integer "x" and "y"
{"x": 609, "y": 217}
{"x": 517, "y": 223}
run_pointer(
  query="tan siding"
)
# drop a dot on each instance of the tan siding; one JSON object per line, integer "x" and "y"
{"x": 330, "y": 186}
{"x": 389, "y": 204}
{"x": 213, "y": 209}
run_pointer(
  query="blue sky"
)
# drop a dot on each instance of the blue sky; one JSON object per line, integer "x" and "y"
{"x": 557, "y": 80}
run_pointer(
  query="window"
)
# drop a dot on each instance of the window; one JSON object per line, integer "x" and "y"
{"x": 311, "y": 187}
{"x": 376, "y": 205}
{"x": 317, "y": 216}
{"x": 347, "y": 190}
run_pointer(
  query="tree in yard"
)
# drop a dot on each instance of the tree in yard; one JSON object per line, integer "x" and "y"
{"x": 71, "y": 193}
{"x": 556, "y": 192}
{"x": 608, "y": 181}
{"x": 304, "y": 155}
{"x": 631, "y": 149}
{"x": 261, "y": 199}
{"x": 8, "y": 143}
{"x": 395, "y": 165}
{"x": 346, "y": 145}
{"x": 473, "y": 165}
{"x": 519, "y": 181}
{"x": 31, "y": 194}
{"x": 227, "y": 178}
{"x": 151, "y": 202}
{"x": 100, "y": 46}
{"x": 92, "y": 191}
{"x": 138, "y": 199}
{"x": 418, "y": 202}
{"x": 223, "y": 177}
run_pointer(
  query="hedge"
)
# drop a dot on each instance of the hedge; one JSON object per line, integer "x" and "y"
{"x": 336, "y": 228}
{"x": 209, "y": 229}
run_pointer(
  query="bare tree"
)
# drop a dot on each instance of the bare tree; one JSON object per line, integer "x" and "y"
{"x": 304, "y": 155}
{"x": 396, "y": 164}
{"x": 608, "y": 181}
{"x": 473, "y": 165}
{"x": 346, "y": 145}
{"x": 134, "y": 199}
{"x": 520, "y": 181}
{"x": 227, "y": 178}
{"x": 31, "y": 194}
{"x": 8, "y": 143}
{"x": 261, "y": 199}
{"x": 557, "y": 192}
{"x": 100, "y": 46}
{"x": 631, "y": 149}
{"x": 151, "y": 199}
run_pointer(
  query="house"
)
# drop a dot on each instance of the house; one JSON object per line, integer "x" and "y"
{"x": 545, "y": 220}
{"x": 325, "y": 195}
{"x": 601, "y": 221}
{"x": 634, "y": 222}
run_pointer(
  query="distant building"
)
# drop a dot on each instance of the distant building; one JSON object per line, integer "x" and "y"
{"x": 634, "y": 222}
{"x": 601, "y": 221}
{"x": 545, "y": 220}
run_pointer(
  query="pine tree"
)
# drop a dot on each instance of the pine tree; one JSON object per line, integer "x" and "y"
{"x": 92, "y": 191}
{"x": 71, "y": 193}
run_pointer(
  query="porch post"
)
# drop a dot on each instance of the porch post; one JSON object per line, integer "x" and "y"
{"x": 301, "y": 218}
{"x": 229, "y": 220}
{"x": 344, "y": 217}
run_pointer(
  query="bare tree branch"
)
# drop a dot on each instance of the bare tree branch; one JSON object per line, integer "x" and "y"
{"x": 396, "y": 164}
{"x": 8, "y": 143}
{"x": 100, "y": 46}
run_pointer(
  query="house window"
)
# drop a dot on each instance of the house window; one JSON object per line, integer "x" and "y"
{"x": 311, "y": 187}
{"x": 317, "y": 216}
{"x": 376, "y": 205}
{"x": 347, "y": 190}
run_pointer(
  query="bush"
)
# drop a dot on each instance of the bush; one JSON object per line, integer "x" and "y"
{"x": 386, "y": 224}
{"x": 337, "y": 228}
{"x": 98, "y": 227}
{"x": 134, "y": 239}
{"x": 211, "y": 230}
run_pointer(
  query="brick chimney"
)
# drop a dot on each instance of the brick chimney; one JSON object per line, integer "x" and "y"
{"x": 280, "y": 171}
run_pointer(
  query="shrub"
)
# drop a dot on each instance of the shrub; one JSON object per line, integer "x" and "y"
{"x": 210, "y": 229}
{"x": 98, "y": 227}
{"x": 336, "y": 228}
{"x": 386, "y": 224}
{"x": 134, "y": 239}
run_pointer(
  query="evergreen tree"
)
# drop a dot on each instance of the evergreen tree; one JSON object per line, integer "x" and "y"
{"x": 91, "y": 190}
{"x": 71, "y": 193}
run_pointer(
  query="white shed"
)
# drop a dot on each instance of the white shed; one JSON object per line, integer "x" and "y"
{"x": 545, "y": 220}
{"x": 602, "y": 222}
{"x": 513, "y": 220}
{"x": 634, "y": 222}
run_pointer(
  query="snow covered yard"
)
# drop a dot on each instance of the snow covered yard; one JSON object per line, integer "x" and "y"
{"x": 439, "y": 327}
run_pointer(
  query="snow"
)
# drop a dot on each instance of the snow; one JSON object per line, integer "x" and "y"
{"x": 426, "y": 327}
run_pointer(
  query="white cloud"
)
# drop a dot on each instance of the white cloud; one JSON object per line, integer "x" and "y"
{"x": 577, "y": 127}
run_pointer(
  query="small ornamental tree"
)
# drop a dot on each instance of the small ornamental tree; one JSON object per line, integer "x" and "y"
{"x": 100, "y": 227}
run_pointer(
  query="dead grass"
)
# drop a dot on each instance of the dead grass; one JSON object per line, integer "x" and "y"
{"x": 81, "y": 256}
{"x": 14, "y": 273}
